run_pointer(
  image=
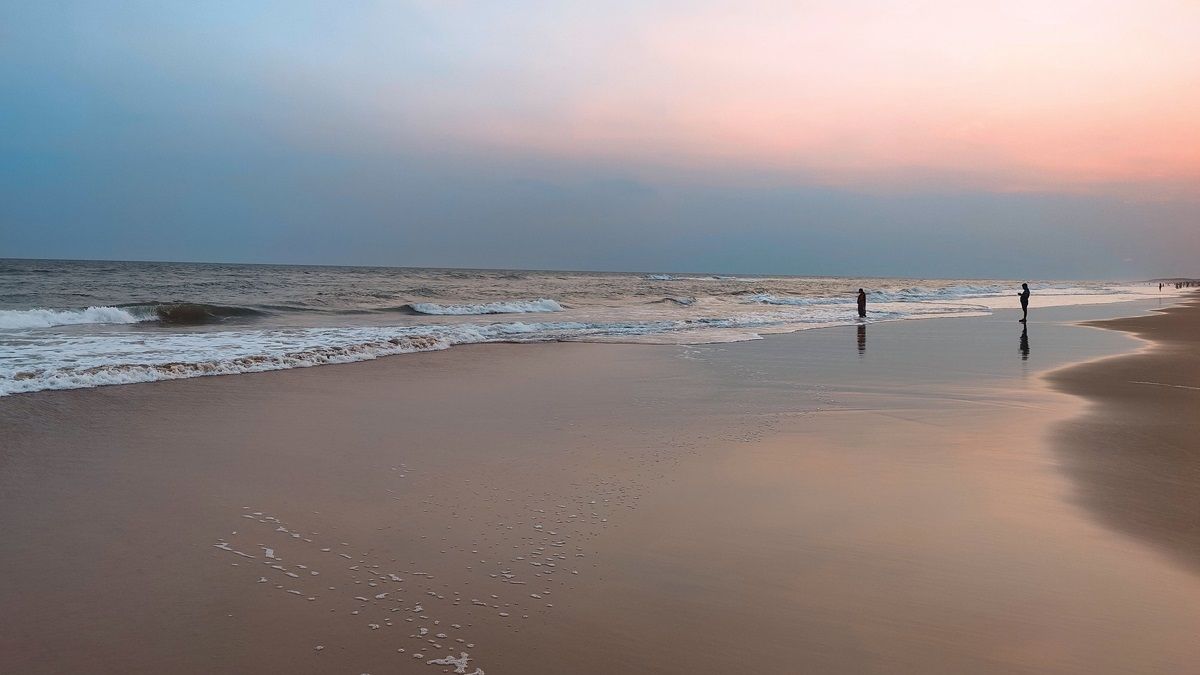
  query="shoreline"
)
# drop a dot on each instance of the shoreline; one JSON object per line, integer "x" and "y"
{"x": 383, "y": 345}
{"x": 1133, "y": 452}
{"x": 841, "y": 501}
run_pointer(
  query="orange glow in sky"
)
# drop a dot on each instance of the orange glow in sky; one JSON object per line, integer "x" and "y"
{"x": 1018, "y": 95}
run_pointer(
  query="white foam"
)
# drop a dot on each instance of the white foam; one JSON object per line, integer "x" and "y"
{"x": 507, "y": 307}
{"x": 460, "y": 663}
{"x": 986, "y": 295}
{"x": 127, "y": 358}
{"x": 41, "y": 360}
{"x": 24, "y": 319}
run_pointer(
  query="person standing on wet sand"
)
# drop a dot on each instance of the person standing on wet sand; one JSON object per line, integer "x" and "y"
{"x": 862, "y": 303}
{"x": 1024, "y": 295}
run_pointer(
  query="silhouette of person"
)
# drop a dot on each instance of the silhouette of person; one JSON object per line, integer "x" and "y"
{"x": 1024, "y": 295}
{"x": 862, "y": 338}
{"x": 862, "y": 303}
{"x": 1025, "y": 342}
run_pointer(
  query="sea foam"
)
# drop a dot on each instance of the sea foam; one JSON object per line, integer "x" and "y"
{"x": 24, "y": 319}
{"x": 176, "y": 340}
{"x": 505, "y": 307}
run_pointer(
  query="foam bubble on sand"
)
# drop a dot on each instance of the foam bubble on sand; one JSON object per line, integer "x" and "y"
{"x": 460, "y": 663}
{"x": 226, "y": 547}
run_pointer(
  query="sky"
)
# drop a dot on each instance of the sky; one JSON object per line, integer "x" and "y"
{"x": 925, "y": 138}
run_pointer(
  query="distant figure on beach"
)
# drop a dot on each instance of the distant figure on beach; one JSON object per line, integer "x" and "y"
{"x": 1160, "y": 287}
{"x": 862, "y": 303}
{"x": 1025, "y": 342}
{"x": 1024, "y": 295}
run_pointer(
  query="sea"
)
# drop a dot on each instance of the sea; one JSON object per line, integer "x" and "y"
{"x": 74, "y": 324}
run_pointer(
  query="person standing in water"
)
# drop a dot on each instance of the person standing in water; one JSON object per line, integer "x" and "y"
{"x": 1024, "y": 295}
{"x": 862, "y": 303}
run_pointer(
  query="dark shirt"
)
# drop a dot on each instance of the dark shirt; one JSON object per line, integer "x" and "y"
{"x": 1025, "y": 298}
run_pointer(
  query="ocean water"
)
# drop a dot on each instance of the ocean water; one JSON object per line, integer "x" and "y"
{"x": 72, "y": 324}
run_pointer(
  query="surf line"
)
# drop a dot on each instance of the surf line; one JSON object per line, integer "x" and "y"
{"x": 1163, "y": 384}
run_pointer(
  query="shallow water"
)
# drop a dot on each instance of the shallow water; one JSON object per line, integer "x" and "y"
{"x": 66, "y": 325}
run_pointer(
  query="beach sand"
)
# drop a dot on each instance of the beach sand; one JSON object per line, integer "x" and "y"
{"x": 1136, "y": 455}
{"x": 905, "y": 498}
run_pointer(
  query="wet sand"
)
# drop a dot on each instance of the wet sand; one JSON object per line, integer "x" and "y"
{"x": 892, "y": 500}
{"x": 1136, "y": 454}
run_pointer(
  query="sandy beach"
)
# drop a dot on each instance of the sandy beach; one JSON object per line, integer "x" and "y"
{"x": 1134, "y": 455}
{"x": 559, "y": 338}
{"x": 912, "y": 497}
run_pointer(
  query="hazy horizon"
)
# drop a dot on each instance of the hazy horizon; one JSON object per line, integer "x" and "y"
{"x": 996, "y": 140}
{"x": 674, "y": 272}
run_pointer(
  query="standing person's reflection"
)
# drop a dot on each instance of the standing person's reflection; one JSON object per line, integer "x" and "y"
{"x": 1025, "y": 343}
{"x": 862, "y": 338}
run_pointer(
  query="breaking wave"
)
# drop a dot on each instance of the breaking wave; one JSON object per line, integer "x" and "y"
{"x": 194, "y": 313}
{"x": 350, "y": 320}
{"x": 70, "y": 377}
{"x": 22, "y": 319}
{"x": 507, "y": 307}
{"x": 175, "y": 313}
{"x": 137, "y": 356}
{"x": 795, "y": 300}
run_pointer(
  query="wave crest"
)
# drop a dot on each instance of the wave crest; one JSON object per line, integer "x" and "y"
{"x": 195, "y": 313}
{"x": 506, "y": 307}
{"x": 23, "y": 319}
{"x": 795, "y": 300}
{"x": 172, "y": 313}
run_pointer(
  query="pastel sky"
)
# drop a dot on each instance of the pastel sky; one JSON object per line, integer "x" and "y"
{"x": 1051, "y": 138}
